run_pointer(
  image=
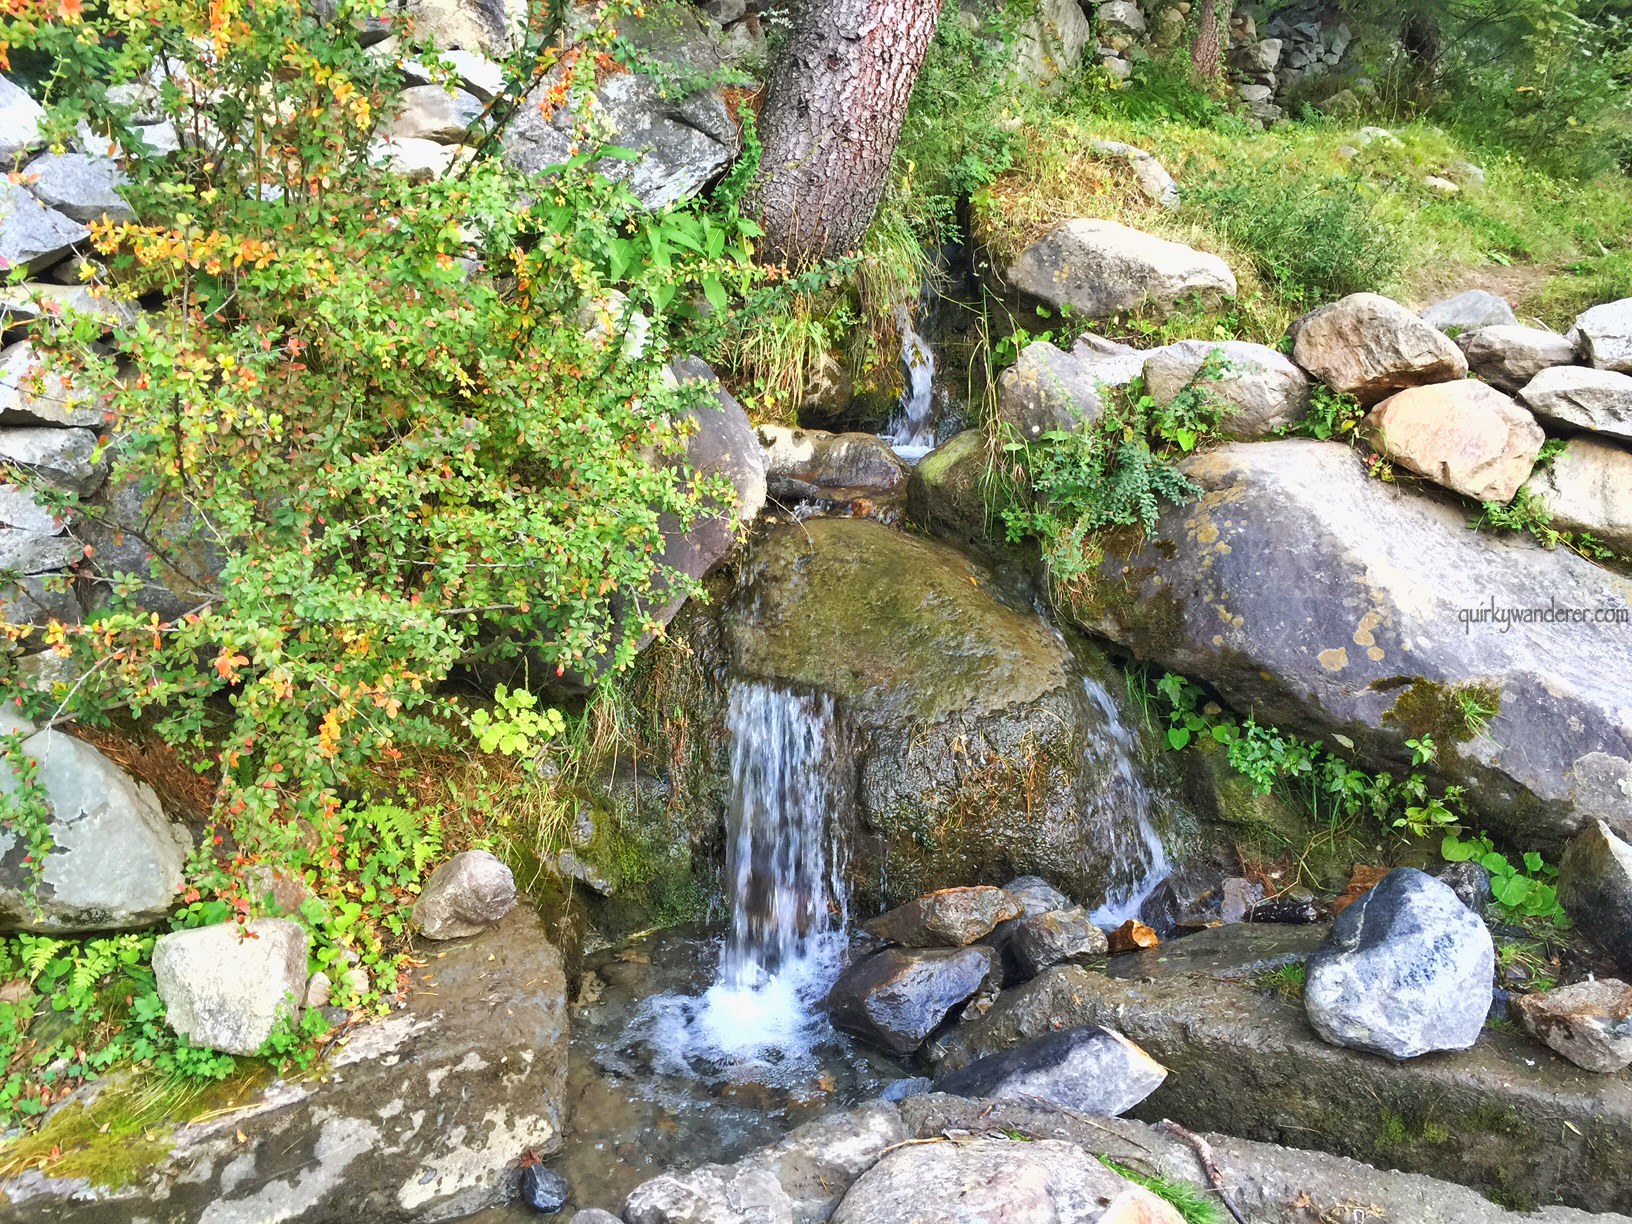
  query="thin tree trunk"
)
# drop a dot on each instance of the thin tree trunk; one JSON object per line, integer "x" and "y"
{"x": 833, "y": 113}
{"x": 1206, "y": 53}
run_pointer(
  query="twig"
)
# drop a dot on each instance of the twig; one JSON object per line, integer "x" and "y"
{"x": 1209, "y": 1166}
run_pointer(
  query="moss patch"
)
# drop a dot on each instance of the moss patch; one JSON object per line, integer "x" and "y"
{"x": 1446, "y": 713}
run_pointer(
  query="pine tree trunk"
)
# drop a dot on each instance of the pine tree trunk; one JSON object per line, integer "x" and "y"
{"x": 1206, "y": 55}
{"x": 833, "y": 111}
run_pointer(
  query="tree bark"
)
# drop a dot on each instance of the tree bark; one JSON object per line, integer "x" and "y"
{"x": 833, "y": 111}
{"x": 1206, "y": 53}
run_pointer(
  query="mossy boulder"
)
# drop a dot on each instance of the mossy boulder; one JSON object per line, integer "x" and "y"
{"x": 979, "y": 730}
{"x": 946, "y": 494}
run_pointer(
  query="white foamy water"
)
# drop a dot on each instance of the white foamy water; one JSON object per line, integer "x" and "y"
{"x": 1138, "y": 859}
{"x": 761, "y": 1019}
{"x": 912, "y": 433}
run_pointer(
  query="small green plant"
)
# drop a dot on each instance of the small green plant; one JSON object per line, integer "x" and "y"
{"x": 1529, "y": 513}
{"x": 1524, "y": 890}
{"x": 1192, "y": 1203}
{"x": 1331, "y": 414}
{"x": 1286, "y": 982}
{"x": 519, "y": 727}
{"x": 1477, "y": 710}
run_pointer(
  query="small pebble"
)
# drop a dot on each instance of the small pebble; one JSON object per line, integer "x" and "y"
{"x": 543, "y": 1189}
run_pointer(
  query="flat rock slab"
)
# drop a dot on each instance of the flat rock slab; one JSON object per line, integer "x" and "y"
{"x": 1236, "y": 953}
{"x": 1506, "y": 1115}
{"x": 1270, "y": 1184}
{"x": 422, "y": 1116}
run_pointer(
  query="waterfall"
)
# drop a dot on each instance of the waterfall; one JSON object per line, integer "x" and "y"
{"x": 1121, "y": 808}
{"x": 761, "y": 1019}
{"x": 789, "y": 903}
{"x": 913, "y": 430}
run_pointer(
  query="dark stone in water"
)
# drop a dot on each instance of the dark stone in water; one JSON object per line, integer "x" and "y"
{"x": 901, "y": 1089}
{"x": 543, "y": 1189}
{"x": 1048, "y": 939}
{"x": 898, "y": 997}
{"x": 1089, "y": 1069}
{"x": 1289, "y": 911}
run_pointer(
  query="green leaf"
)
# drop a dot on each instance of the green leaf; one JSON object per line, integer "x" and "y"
{"x": 1178, "y": 737}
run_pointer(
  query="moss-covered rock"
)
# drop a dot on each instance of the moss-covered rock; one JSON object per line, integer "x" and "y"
{"x": 947, "y": 493}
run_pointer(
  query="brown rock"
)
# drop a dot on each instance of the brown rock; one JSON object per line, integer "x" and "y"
{"x": 1367, "y": 346}
{"x": 1132, "y": 936}
{"x": 950, "y": 918}
{"x": 1589, "y": 1023}
{"x": 1464, "y": 435}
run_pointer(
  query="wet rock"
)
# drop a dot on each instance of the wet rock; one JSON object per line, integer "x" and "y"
{"x": 1241, "y": 1059}
{"x": 61, "y": 457}
{"x": 1290, "y": 910}
{"x": 1287, "y": 587}
{"x": 1595, "y": 889}
{"x": 81, "y": 187}
{"x": 1239, "y": 953}
{"x": 116, "y": 861}
{"x": 1581, "y": 398}
{"x": 1132, "y": 936}
{"x": 1407, "y": 970}
{"x": 1469, "y": 311}
{"x": 1101, "y": 268}
{"x": 1368, "y": 346}
{"x": 945, "y": 493}
{"x": 1047, "y": 390}
{"x": 1469, "y": 881}
{"x": 20, "y": 119}
{"x": 896, "y": 998}
{"x": 1588, "y": 488}
{"x": 1589, "y": 1023}
{"x": 543, "y": 1189}
{"x": 571, "y": 865}
{"x": 1603, "y": 335}
{"x": 1463, "y": 435}
{"x": 801, "y": 1179}
{"x": 1088, "y": 1069}
{"x": 417, "y": 1116}
{"x": 974, "y": 721}
{"x": 435, "y": 112}
{"x": 1264, "y": 392}
{"x": 949, "y": 918}
{"x": 1509, "y": 356}
{"x": 32, "y": 235}
{"x": 1236, "y": 899}
{"x": 227, "y": 987}
{"x": 1000, "y": 1181}
{"x": 464, "y": 896}
{"x": 854, "y": 461}
{"x": 594, "y": 1215}
{"x": 1036, "y": 895}
{"x": 901, "y": 1089}
{"x": 1047, "y": 939}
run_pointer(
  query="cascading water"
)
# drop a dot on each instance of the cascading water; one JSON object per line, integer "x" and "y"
{"x": 789, "y": 905}
{"x": 1121, "y": 806}
{"x": 913, "y": 430}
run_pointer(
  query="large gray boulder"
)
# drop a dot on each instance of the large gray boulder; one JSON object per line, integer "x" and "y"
{"x": 1588, "y": 488}
{"x": 32, "y": 235}
{"x": 1038, "y": 941}
{"x": 1369, "y": 346}
{"x": 1603, "y": 334}
{"x": 81, "y": 187}
{"x": 1051, "y": 43}
{"x": 1468, "y": 311}
{"x": 1464, "y": 435}
{"x": 896, "y": 998}
{"x": 226, "y": 987}
{"x": 492, "y": 27}
{"x": 1408, "y": 969}
{"x": 60, "y": 457}
{"x": 972, "y": 715}
{"x": 1089, "y": 1069}
{"x": 421, "y": 1115}
{"x": 1509, "y": 356}
{"x": 464, "y": 896}
{"x": 946, "y": 493}
{"x": 1331, "y": 604}
{"x": 20, "y": 119}
{"x": 1262, "y": 390}
{"x": 1102, "y": 268}
{"x": 998, "y": 1181}
{"x": 1580, "y": 398}
{"x": 830, "y": 461}
{"x": 32, "y": 536}
{"x": 1047, "y": 390}
{"x": 1595, "y": 889}
{"x": 116, "y": 861}
{"x": 949, "y": 918}
{"x": 801, "y": 1178}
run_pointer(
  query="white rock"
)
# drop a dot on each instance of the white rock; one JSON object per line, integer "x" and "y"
{"x": 227, "y": 987}
{"x": 1101, "y": 268}
{"x": 20, "y": 119}
{"x": 1509, "y": 356}
{"x": 61, "y": 457}
{"x": 80, "y": 186}
{"x": 1589, "y": 488}
{"x": 1603, "y": 334}
{"x": 33, "y": 236}
{"x": 30, "y": 394}
{"x": 1263, "y": 389}
{"x": 464, "y": 896}
{"x": 1598, "y": 400}
{"x": 434, "y": 112}
{"x": 1470, "y": 310}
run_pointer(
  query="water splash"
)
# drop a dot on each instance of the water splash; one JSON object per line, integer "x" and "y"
{"x": 1121, "y": 807}
{"x": 790, "y": 908}
{"x": 913, "y": 430}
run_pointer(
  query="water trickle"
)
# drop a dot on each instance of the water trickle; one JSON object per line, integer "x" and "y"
{"x": 790, "y": 907}
{"x": 913, "y": 430}
{"x": 1121, "y": 807}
